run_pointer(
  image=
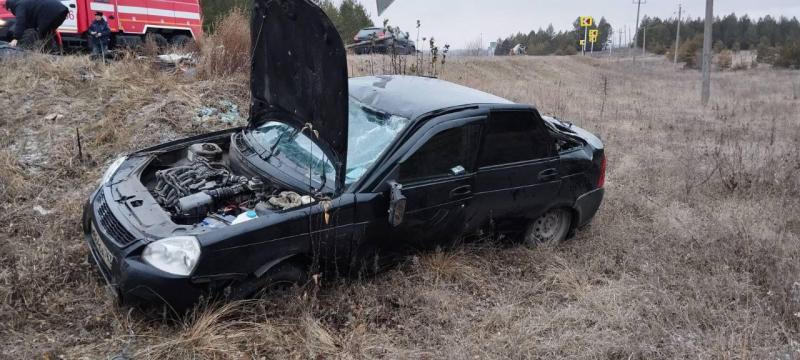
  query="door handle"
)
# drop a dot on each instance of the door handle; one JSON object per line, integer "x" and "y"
{"x": 548, "y": 175}
{"x": 461, "y": 191}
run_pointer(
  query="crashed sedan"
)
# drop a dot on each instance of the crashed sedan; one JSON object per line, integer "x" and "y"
{"x": 333, "y": 175}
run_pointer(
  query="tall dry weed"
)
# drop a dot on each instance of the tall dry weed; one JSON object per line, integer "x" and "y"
{"x": 227, "y": 51}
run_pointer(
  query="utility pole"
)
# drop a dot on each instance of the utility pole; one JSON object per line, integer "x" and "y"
{"x": 678, "y": 37}
{"x": 636, "y": 30}
{"x": 610, "y": 41}
{"x": 644, "y": 40}
{"x": 707, "y": 34}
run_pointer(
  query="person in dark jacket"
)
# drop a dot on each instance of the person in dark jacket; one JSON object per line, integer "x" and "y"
{"x": 99, "y": 34}
{"x": 42, "y": 16}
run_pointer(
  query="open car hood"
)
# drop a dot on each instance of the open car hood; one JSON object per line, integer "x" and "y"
{"x": 299, "y": 74}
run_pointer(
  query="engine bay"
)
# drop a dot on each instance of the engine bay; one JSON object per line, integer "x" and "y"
{"x": 197, "y": 186}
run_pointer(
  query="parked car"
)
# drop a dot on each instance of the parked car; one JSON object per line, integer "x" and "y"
{"x": 333, "y": 175}
{"x": 383, "y": 41}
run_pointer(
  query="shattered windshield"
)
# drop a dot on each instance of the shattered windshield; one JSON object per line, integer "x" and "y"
{"x": 289, "y": 147}
{"x": 370, "y": 133}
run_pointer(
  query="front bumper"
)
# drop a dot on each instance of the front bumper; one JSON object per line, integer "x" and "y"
{"x": 133, "y": 281}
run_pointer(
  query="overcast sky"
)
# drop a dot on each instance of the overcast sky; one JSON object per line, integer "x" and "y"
{"x": 459, "y": 21}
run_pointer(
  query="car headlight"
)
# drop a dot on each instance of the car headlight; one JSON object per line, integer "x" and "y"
{"x": 3, "y": 22}
{"x": 175, "y": 255}
{"x": 112, "y": 169}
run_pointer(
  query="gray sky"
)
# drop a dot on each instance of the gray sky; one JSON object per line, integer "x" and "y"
{"x": 459, "y": 21}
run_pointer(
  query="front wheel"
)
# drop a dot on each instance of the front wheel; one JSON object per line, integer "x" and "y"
{"x": 282, "y": 277}
{"x": 550, "y": 228}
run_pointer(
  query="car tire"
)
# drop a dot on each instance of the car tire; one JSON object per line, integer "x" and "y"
{"x": 281, "y": 277}
{"x": 158, "y": 39}
{"x": 181, "y": 40}
{"x": 552, "y": 227}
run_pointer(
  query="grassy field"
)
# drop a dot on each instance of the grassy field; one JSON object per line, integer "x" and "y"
{"x": 694, "y": 254}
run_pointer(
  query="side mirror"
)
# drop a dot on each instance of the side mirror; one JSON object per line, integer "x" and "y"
{"x": 397, "y": 204}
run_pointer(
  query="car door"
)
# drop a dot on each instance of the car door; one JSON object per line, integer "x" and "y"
{"x": 436, "y": 171}
{"x": 518, "y": 168}
{"x": 109, "y": 10}
{"x": 438, "y": 179}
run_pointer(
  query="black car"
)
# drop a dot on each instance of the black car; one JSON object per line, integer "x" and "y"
{"x": 333, "y": 173}
{"x": 375, "y": 40}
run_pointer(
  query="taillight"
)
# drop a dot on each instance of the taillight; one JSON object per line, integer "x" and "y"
{"x": 355, "y": 38}
{"x": 381, "y": 35}
{"x": 602, "y": 180}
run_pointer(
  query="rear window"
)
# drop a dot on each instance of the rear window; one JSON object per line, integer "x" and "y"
{"x": 367, "y": 32}
{"x": 514, "y": 136}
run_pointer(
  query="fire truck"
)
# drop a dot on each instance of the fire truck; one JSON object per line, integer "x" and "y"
{"x": 131, "y": 21}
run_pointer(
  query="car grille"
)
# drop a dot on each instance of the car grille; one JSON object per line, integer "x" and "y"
{"x": 110, "y": 224}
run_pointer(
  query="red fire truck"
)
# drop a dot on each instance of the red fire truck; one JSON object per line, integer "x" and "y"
{"x": 167, "y": 21}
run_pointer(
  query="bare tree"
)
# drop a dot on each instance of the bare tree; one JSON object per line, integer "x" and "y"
{"x": 474, "y": 48}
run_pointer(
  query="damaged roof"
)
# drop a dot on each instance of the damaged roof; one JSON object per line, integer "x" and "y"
{"x": 412, "y": 96}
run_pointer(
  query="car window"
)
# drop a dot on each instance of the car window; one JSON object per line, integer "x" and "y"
{"x": 367, "y": 32}
{"x": 513, "y": 136}
{"x": 370, "y": 133}
{"x": 442, "y": 153}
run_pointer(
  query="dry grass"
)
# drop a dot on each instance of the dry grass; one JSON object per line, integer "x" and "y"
{"x": 695, "y": 253}
{"x": 226, "y": 52}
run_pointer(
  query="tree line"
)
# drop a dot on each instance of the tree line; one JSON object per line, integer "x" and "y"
{"x": 549, "y": 42}
{"x": 776, "y": 41}
{"x": 349, "y": 17}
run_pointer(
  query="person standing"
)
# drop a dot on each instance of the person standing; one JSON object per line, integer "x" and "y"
{"x": 99, "y": 34}
{"x": 41, "y": 16}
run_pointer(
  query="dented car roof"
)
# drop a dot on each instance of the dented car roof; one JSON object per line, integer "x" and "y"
{"x": 412, "y": 96}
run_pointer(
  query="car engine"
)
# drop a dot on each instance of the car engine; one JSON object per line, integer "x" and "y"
{"x": 198, "y": 187}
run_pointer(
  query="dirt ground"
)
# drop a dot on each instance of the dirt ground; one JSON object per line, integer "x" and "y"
{"x": 695, "y": 252}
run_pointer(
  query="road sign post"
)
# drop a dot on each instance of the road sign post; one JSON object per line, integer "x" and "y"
{"x": 593, "y": 34}
{"x": 586, "y": 22}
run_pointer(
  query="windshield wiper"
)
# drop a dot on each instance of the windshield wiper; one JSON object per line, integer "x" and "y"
{"x": 278, "y": 142}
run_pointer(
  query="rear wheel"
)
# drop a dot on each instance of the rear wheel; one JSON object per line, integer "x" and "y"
{"x": 550, "y": 228}
{"x": 158, "y": 39}
{"x": 181, "y": 40}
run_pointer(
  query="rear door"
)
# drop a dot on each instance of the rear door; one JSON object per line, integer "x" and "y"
{"x": 518, "y": 168}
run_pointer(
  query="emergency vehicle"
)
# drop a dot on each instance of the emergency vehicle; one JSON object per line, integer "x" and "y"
{"x": 166, "y": 21}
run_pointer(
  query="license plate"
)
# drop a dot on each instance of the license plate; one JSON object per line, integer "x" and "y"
{"x": 105, "y": 254}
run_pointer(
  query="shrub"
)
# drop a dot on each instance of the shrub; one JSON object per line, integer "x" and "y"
{"x": 690, "y": 52}
{"x": 725, "y": 60}
{"x": 227, "y": 50}
{"x": 766, "y": 54}
{"x": 789, "y": 56}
